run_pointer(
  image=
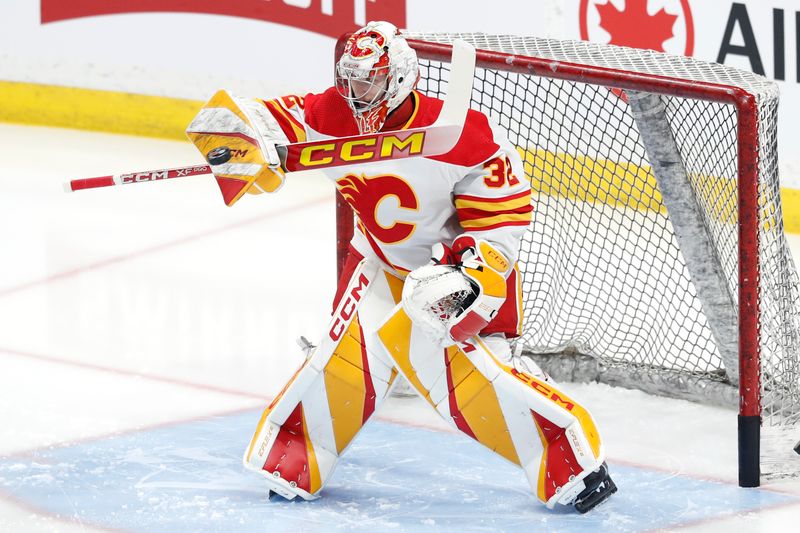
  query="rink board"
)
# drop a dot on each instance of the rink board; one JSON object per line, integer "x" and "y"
{"x": 189, "y": 477}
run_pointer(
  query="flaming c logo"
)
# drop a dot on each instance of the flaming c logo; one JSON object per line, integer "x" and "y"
{"x": 364, "y": 44}
{"x": 366, "y": 194}
{"x": 662, "y": 25}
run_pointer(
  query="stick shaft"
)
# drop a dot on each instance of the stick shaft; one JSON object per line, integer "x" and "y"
{"x": 137, "y": 177}
{"x": 437, "y": 139}
{"x": 434, "y": 140}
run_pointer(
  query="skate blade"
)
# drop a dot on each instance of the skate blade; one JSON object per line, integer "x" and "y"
{"x": 595, "y": 498}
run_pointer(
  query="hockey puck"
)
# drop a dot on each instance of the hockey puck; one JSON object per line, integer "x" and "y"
{"x": 218, "y": 156}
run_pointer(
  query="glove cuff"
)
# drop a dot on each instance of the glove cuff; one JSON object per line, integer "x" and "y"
{"x": 467, "y": 248}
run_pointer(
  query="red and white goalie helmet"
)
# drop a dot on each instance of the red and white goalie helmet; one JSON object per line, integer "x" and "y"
{"x": 377, "y": 71}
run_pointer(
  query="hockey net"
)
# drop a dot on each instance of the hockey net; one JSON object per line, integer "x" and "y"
{"x": 640, "y": 267}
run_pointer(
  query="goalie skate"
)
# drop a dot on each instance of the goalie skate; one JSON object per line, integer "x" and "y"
{"x": 599, "y": 487}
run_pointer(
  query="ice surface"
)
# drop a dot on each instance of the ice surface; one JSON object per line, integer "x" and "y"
{"x": 143, "y": 327}
{"x": 188, "y": 477}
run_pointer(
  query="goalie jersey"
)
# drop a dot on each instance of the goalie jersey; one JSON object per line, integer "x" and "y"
{"x": 405, "y": 206}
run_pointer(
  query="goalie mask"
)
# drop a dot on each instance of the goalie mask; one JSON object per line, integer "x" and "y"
{"x": 377, "y": 71}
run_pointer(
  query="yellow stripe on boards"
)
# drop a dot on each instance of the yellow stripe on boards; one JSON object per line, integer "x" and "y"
{"x": 596, "y": 181}
{"x": 90, "y": 109}
{"x": 624, "y": 184}
{"x": 573, "y": 177}
{"x": 790, "y": 200}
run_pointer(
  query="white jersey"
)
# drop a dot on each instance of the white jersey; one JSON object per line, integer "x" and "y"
{"x": 405, "y": 206}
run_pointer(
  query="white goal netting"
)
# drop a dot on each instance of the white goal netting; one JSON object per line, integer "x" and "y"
{"x": 630, "y": 267}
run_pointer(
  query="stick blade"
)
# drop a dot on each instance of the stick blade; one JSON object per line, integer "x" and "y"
{"x": 459, "y": 87}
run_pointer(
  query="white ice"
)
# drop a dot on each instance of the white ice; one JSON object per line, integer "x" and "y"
{"x": 131, "y": 308}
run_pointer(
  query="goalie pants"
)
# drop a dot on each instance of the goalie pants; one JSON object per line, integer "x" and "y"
{"x": 522, "y": 416}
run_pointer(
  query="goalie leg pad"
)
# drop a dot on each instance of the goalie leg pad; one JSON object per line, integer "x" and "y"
{"x": 312, "y": 421}
{"x": 525, "y": 419}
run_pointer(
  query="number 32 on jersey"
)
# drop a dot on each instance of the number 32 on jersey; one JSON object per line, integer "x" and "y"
{"x": 499, "y": 174}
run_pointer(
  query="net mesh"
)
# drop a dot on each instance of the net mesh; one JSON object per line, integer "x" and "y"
{"x": 603, "y": 273}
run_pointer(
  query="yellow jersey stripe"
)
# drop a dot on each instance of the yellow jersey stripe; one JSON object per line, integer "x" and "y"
{"x": 493, "y": 206}
{"x": 503, "y": 218}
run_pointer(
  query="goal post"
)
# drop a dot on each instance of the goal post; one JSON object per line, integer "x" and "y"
{"x": 656, "y": 258}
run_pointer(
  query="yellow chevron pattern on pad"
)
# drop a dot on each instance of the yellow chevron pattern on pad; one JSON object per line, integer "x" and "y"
{"x": 477, "y": 402}
{"x": 345, "y": 387}
{"x": 395, "y": 335}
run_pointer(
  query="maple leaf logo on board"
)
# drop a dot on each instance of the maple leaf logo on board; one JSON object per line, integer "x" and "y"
{"x": 662, "y": 25}
{"x": 634, "y": 26}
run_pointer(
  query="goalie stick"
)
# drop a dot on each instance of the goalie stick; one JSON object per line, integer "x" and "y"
{"x": 436, "y": 139}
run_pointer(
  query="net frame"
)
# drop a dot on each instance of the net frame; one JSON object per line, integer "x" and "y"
{"x": 631, "y": 70}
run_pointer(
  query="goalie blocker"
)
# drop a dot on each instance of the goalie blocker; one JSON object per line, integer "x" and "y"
{"x": 526, "y": 419}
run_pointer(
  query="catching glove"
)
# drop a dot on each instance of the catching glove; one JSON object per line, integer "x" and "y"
{"x": 455, "y": 296}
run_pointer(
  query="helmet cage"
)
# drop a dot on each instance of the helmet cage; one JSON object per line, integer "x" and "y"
{"x": 363, "y": 90}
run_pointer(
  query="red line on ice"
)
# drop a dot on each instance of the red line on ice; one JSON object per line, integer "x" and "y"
{"x": 160, "y": 247}
{"x": 131, "y": 373}
{"x": 45, "y": 515}
{"x": 22, "y": 454}
{"x": 729, "y": 516}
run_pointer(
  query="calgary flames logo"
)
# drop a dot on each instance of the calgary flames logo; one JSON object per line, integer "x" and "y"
{"x": 364, "y": 44}
{"x": 366, "y": 194}
{"x": 662, "y": 25}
